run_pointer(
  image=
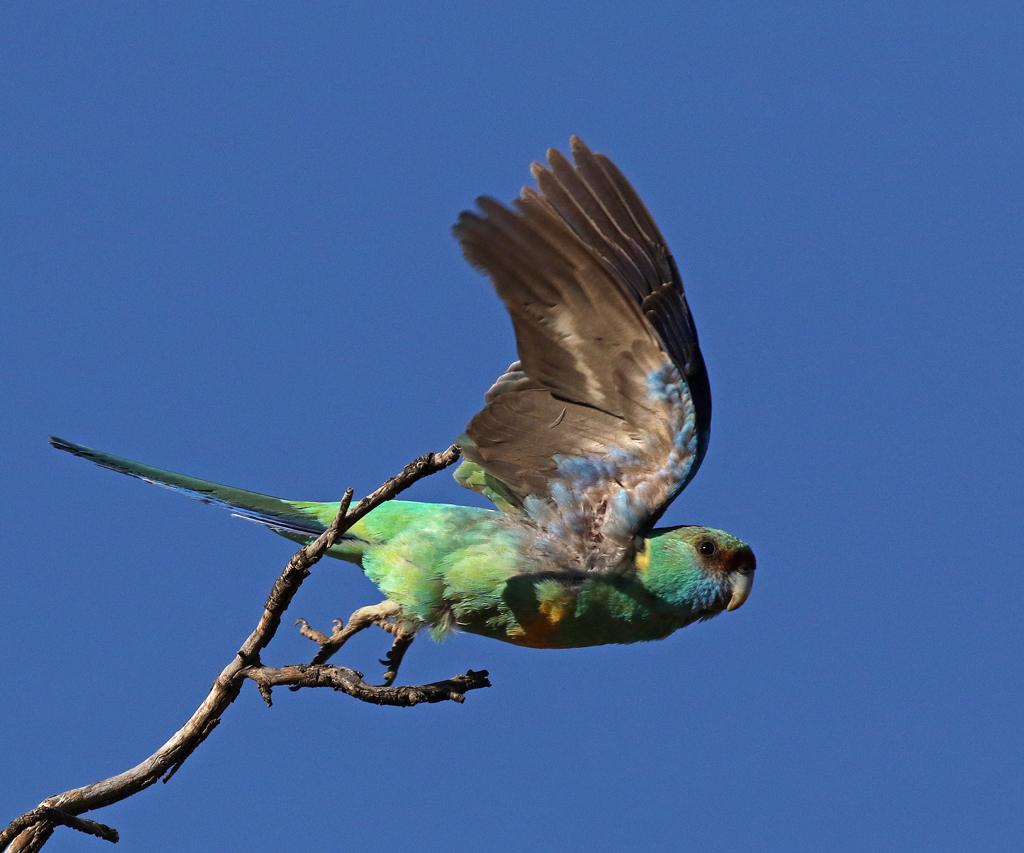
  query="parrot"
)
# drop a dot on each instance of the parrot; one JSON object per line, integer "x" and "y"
{"x": 581, "y": 445}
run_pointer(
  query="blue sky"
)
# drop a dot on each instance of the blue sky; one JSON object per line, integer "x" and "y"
{"x": 226, "y": 252}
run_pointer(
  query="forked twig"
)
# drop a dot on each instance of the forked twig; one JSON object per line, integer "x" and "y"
{"x": 30, "y": 831}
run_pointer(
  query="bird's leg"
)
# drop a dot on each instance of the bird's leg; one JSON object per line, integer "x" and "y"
{"x": 393, "y": 659}
{"x": 364, "y": 617}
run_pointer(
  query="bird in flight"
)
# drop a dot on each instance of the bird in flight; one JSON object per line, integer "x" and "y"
{"x": 581, "y": 445}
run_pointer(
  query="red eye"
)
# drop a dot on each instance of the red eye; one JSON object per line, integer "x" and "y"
{"x": 706, "y": 548}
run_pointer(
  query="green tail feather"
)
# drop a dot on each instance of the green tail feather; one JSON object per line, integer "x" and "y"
{"x": 297, "y": 520}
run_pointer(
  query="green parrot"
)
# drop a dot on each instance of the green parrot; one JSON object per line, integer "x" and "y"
{"x": 581, "y": 445}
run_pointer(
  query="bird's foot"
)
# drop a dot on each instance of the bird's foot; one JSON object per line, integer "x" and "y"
{"x": 378, "y": 614}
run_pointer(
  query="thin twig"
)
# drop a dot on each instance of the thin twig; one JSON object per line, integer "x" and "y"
{"x": 30, "y": 831}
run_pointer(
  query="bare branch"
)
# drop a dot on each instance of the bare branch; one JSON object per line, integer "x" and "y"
{"x": 53, "y": 817}
{"x": 351, "y": 682}
{"x": 31, "y": 831}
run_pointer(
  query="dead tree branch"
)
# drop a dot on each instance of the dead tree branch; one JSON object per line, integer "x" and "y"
{"x": 30, "y": 831}
{"x": 351, "y": 682}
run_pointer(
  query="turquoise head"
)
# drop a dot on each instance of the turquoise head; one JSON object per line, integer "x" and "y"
{"x": 697, "y": 569}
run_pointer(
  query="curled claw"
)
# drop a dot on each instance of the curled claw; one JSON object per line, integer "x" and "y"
{"x": 313, "y": 634}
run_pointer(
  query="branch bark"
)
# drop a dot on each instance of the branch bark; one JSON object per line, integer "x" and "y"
{"x": 30, "y": 831}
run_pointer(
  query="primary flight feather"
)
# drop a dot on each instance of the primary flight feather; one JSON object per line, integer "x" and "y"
{"x": 581, "y": 445}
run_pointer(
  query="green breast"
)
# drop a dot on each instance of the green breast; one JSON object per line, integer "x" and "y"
{"x": 553, "y": 614}
{"x": 455, "y": 567}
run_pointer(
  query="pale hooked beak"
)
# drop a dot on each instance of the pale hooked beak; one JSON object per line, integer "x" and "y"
{"x": 742, "y": 583}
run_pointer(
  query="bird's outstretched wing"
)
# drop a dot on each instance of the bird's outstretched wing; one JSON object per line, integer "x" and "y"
{"x": 605, "y": 417}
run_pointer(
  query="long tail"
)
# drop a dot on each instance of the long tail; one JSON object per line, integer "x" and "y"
{"x": 297, "y": 520}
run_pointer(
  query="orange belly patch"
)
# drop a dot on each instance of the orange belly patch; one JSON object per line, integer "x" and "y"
{"x": 540, "y": 630}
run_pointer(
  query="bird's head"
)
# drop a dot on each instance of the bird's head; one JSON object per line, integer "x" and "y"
{"x": 697, "y": 569}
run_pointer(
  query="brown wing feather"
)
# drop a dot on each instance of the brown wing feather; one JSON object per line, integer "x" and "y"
{"x": 599, "y": 314}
